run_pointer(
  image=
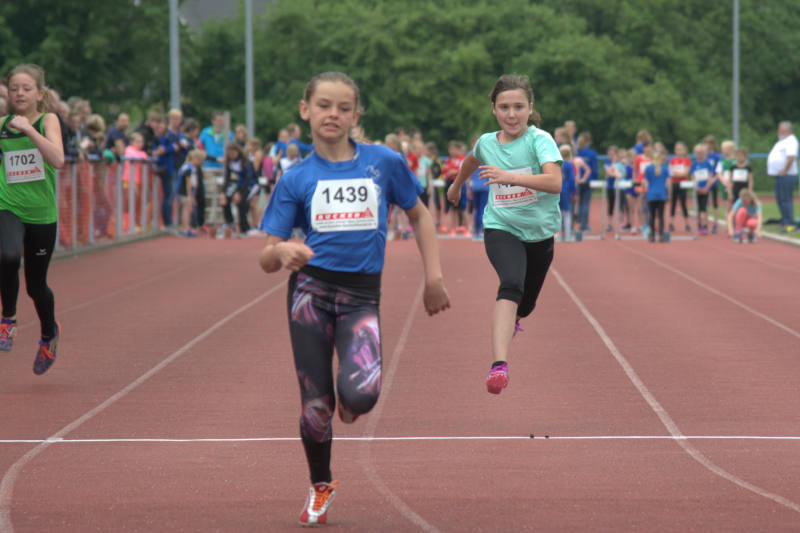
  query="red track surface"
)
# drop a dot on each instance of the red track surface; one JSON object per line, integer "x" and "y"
{"x": 709, "y": 332}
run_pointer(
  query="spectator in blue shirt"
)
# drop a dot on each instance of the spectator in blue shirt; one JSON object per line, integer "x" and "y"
{"x": 212, "y": 139}
{"x": 567, "y": 192}
{"x": 589, "y": 156}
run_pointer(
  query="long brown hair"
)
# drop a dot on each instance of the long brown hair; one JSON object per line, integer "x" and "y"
{"x": 510, "y": 82}
{"x": 37, "y": 73}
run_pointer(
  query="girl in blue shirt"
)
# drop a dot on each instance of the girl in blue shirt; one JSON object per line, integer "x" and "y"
{"x": 704, "y": 176}
{"x": 656, "y": 176}
{"x": 339, "y": 196}
{"x": 523, "y": 167}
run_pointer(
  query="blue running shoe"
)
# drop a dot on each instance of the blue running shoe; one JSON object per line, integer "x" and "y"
{"x": 46, "y": 354}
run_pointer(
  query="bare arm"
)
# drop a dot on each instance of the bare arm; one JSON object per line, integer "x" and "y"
{"x": 49, "y": 145}
{"x": 280, "y": 253}
{"x": 789, "y": 161}
{"x": 468, "y": 166}
{"x": 435, "y": 298}
{"x": 548, "y": 181}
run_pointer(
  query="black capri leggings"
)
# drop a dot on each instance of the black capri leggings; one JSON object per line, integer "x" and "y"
{"x": 34, "y": 242}
{"x": 521, "y": 267}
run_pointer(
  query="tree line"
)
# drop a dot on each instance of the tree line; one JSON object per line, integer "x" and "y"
{"x": 614, "y": 67}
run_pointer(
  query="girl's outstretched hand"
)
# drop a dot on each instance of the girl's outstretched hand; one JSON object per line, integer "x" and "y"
{"x": 293, "y": 255}
{"x": 495, "y": 175}
{"x": 454, "y": 194}
{"x": 435, "y": 297}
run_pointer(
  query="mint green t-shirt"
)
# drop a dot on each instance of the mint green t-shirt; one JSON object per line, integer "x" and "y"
{"x": 529, "y": 215}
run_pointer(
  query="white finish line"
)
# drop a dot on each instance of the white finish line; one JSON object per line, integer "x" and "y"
{"x": 156, "y": 440}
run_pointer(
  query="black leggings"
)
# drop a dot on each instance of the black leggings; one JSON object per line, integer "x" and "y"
{"x": 242, "y": 207}
{"x": 521, "y": 267}
{"x": 678, "y": 193}
{"x": 327, "y": 310}
{"x": 34, "y": 242}
{"x": 656, "y": 208}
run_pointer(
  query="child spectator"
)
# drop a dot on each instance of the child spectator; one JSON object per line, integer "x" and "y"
{"x": 454, "y": 214}
{"x": 240, "y": 135}
{"x": 612, "y": 173}
{"x": 436, "y": 181}
{"x": 291, "y": 159}
{"x": 745, "y": 215}
{"x": 424, "y": 164}
{"x": 640, "y": 164}
{"x": 567, "y": 192}
{"x": 192, "y": 193}
{"x": 132, "y": 172}
{"x": 655, "y": 177}
{"x": 294, "y": 138}
{"x": 165, "y": 167}
{"x": 256, "y": 156}
{"x": 479, "y": 192}
{"x": 741, "y": 174}
{"x": 622, "y": 173}
{"x": 278, "y": 150}
{"x": 702, "y": 173}
{"x": 240, "y": 178}
{"x": 589, "y": 156}
{"x": 723, "y": 172}
{"x": 679, "y": 166}
{"x": 713, "y": 157}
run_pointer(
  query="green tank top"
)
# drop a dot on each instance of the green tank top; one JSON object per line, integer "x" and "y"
{"x": 27, "y": 181}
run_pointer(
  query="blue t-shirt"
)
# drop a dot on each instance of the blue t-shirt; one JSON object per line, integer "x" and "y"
{"x": 476, "y": 183}
{"x": 214, "y": 145}
{"x": 567, "y": 186}
{"x": 589, "y": 156}
{"x": 713, "y": 158}
{"x": 343, "y": 206}
{"x": 656, "y": 185}
{"x": 751, "y": 209}
{"x": 167, "y": 159}
{"x": 701, "y": 172}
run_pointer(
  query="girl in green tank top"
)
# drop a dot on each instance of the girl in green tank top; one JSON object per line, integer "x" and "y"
{"x": 30, "y": 152}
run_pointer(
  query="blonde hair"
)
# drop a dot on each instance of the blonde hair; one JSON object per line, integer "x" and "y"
{"x": 175, "y": 113}
{"x": 727, "y": 144}
{"x": 750, "y": 195}
{"x": 37, "y": 73}
{"x": 566, "y": 152}
{"x": 196, "y": 153}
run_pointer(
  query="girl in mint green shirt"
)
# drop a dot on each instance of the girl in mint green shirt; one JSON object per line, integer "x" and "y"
{"x": 522, "y": 166}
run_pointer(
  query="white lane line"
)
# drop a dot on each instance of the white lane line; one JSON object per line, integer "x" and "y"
{"x": 10, "y": 476}
{"x": 719, "y": 293}
{"x": 366, "y": 459}
{"x": 662, "y": 414}
{"x": 448, "y": 438}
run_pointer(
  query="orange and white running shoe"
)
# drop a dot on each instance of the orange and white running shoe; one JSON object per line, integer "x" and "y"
{"x": 320, "y": 496}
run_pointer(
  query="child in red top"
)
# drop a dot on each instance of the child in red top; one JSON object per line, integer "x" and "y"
{"x": 454, "y": 214}
{"x": 679, "y": 166}
{"x": 640, "y": 164}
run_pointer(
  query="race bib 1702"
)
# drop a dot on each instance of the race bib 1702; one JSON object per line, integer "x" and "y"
{"x": 504, "y": 196}
{"x": 23, "y": 166}
{"x": 345, "y": 205}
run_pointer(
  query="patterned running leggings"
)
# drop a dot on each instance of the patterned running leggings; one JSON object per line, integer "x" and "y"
{"x": 340, "y": 312}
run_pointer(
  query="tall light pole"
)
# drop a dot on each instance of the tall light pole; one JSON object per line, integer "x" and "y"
{"x": 736, "y": 72}
{"x": 248, "y": 67}
{"x": 174, "y": 57}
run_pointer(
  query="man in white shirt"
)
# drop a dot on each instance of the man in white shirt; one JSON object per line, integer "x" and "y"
{"x": 782, "y": 165}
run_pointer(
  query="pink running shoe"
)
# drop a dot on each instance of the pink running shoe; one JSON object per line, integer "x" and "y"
{"x": 498, "y": 378}
{"x": 517, "y": 328}
{"x": 315, "y": 512}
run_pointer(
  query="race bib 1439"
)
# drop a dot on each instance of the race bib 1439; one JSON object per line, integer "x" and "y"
{"x": 344, "y": 205}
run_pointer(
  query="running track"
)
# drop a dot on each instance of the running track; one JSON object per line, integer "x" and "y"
{"x": 661, "y": 384}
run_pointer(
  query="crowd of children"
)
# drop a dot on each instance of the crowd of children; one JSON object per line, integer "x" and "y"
{"x": 654, "y": 179}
